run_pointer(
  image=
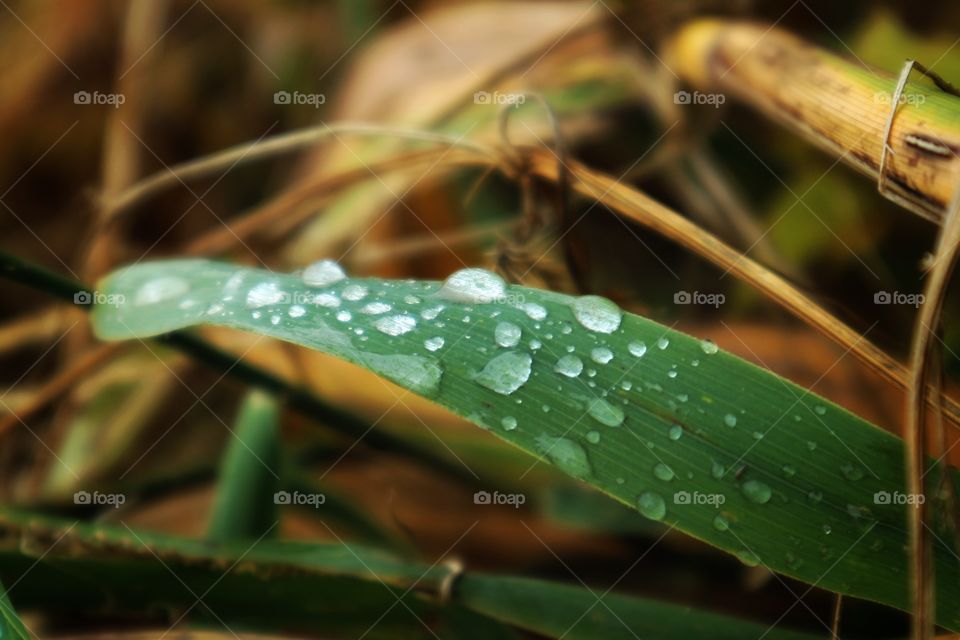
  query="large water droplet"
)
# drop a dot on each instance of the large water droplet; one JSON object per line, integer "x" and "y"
{"x": 263, "y": 294}
{"x": 605, "y": 413}
{"x": 475, "y": 286}
{"x": 160, "y": 289}
{"x": 756, "y": 491}
{"x": 663, "y": 472}
{"x": 566, "y": 454}
{"x": 506, "y": 373}
{"x": 570, "y": 366}
{"x": 507, "y": 334}
{"x": 652, "y": 505}
{"x": 323, "y": 273}
{"x": 396, "y": 325}
{"x": 601, "y": 355}
{"x": 597, "y": 314}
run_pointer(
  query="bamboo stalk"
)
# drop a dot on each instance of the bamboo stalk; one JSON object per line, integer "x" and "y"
{"x": 840, "y": 105}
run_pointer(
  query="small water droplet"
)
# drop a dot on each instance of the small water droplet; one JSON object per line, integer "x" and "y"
{"x": 720, "y": 523}
{"x": 748, "y": 558}
{"x": 473, "y": 286}
{"x": 355, "y": 292}
{"x": 296, "y": 311}
{"x": 509, "y": 423}
{"x": 730, "y": 420}
{"x": 811, "y": 445}
{"x": 534, "y": 311}
{"x": 432, "y": 312}
{"x": 507, "y": 334}
{"x": 506, "y": 373}
{"x": 597, "y": 314}
{"x": 535, "y": 344}
{"x": 569, "y": 366}
{"x": 433, "y": 344}
{"x": 328, "y": 300}
{"x": 601, "y": 355}
{"x": 819, "y": 409}
{"x": 263, "y": 294}
{"x": 652, "y": 505}
{"x": 827, "y": 529}
{"x": 756, "y": 491}
{"x": 626, "y": 385}
{"x": 396, "y": 325}
{"x": 814, "y": 497}
{"x": 344, "y": 316}
{"x": 717, "y": 470}
{"x": 663, "y": 472}
{"x": 675, "y": 432}
{"x": 323, "y": 273}
{"x": 672, "y": 373}
{"x": 593, "y": 437}
{"x": 789, "y": 470}
{"x": 663, "y": 343}
{"x": 709, "y": 347}
{"x": 851, "y": 472}
{"x": 375, "y": 308}
{"x": 160, "y": 289}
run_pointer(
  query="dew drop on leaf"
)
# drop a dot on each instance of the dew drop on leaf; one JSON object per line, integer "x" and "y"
{"x": 473, "y": 286}
{"x": 507, "y": 334}
{"x": 509, "y": 423}
{"x": 652, "y": 505}
{"x": 566, "y": 454}
{"x": 605, "y": 413}
{"x": 663, "y": 472}
{"x": 756, "y": 491}
{"x": 323, "y": 273}
{"x": 159, "y": 290}
{"x": 601, "y": 355}
{"x": 433, "y": 344}
{"x": 569, "y": 366}
{"x": 709, "y": 347}
{"x": 597, "y": 314}
{"x": 506, "y": 372}
{"x": 637, "y": 348}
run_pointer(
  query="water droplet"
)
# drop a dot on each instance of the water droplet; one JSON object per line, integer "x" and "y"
{"x": 396, "y": 325}
{"x": 652, "y": 505}
{"x": 851, "y": 472}
{"x": 323, "y": 273}
{"x": 263, "y": 294}
{"x": 570, "y": 366}
{"x": 418, "y": 373}
{"x": 566, "y": 454}
{"x": 433, "y": 344}
{"x": 507, "y": 334}
{"x": 509, "y": 423}
{"x": 506, "y": 373}
{"x": 432, "y": 312}
{"x": 411, "y": 299}
{"x": 717, "y": 470}
{"x": 535, "y": 344}
{"x": 730, "y": 420}
{"x": 274, "y": 319}
{"x": 593, "y": 437}
{"x": 473, "y": 286}
{"x": 663, "y": 343}
{"x": 344, "y": 316}
{"x": 756, "y": 491}
{"x": 354, "y": 292}
{"x": 637, "y": 348}
{"x": 601, "y": 355}
{"x": 663, "y": 472}
{"x": 296, "y": 311}
{"x": 720, "y": 523}
{"x": 605, "y": 413}
{"x": 672, "y": 373}
{"x": 597, "y": 314}
{"x": 534, "y": 311}
{"x": 789, "y": 470}
{"x": 328, "y": 300}
{"x": 820, "y": 409}
{"x": 814, "y": 497}
{"x": 375, "y": 308}
{"x": 626, "y": 385}
{"x": 827, "y": 529}
{"x": 709, "y": 347}
{"x": 160, "y": 289}
{"x": 748, "y": 558}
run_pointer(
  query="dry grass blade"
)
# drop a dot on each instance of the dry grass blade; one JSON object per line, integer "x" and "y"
{"x": 646, "y": 211}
